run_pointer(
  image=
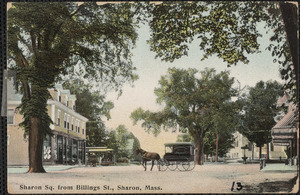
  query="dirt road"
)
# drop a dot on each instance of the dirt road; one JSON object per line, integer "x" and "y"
{"x": 221, "y": 178}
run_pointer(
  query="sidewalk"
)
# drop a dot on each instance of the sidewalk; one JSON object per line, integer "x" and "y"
{"x": 279, "y": 167}
{"x": 48, "y": 168}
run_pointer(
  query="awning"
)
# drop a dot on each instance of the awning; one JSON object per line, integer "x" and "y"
{"x": 282, "y": 137}
{"x": 285, "y": 129}
{"x": 281, "y": 144}
{"x": 179, "y": 143}
{"x": 98, "y": 149}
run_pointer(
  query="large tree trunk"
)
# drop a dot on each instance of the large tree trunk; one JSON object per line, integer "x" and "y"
{"x": 35, "y": 147}
{"x": 217, "y": 141}
{"x": 289, "y": 12}
{"x": 199, "y": 150}
{"x": 259, "y": 155}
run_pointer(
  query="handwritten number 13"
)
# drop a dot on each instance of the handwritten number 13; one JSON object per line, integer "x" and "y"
{"x": 239, "y": 186}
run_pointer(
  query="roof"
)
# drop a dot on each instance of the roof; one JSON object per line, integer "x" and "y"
{"x": 179, "y": 143}
{"x": 285, "y": 130}
{"x": 288, "y": 120}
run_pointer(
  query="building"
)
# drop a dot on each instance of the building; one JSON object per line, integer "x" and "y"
{"x": 284, "y": 133}
{"x": 252, "y": 152}
{"x": 66, "y": 146}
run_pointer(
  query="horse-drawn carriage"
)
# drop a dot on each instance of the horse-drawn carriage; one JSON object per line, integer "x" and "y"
{"x": 179, "y": 155}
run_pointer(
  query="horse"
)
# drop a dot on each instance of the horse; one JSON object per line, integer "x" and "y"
{"x": 148, "y": 156}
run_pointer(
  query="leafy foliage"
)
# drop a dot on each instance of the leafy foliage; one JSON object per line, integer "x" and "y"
{"x": 194, "y": 102}
{"x": 118, "y": 140}
{"x": 225, "y": 141}
{"x": 260, "y": 110}
{"x": 228, "y": 30}
{"x": 184, "y": 138}
{"x": 47, "y": 40}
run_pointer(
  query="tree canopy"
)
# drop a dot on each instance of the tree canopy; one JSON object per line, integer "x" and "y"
{"x": 119, "y": 140}
{"x": 228, "y": 30}
{"x": 194, "y": 102}
{"x": 51, "y": 39}
{"x": 260, "y": 110}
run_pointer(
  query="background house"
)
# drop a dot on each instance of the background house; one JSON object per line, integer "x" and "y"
{"x": 275, "y": 152}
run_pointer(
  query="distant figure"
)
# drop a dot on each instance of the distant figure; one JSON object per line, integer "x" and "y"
{"x": 100, "y": 160}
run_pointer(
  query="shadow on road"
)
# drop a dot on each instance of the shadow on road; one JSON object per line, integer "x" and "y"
{"x": 276, "y": 186}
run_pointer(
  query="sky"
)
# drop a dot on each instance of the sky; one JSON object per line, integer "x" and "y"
{"x": 150, "y": 70}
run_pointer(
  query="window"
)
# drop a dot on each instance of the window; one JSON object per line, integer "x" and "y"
{"x": 10, "y": 116}
{"x": 65, "y": 121}
{"x": 72, "y": 124}
{"x": 68, "y": 119}
{"x": 82, "y": 128}
{"x": 78, "y": 128}
{"x": 58, "y": 118}
{"x": 73, "y": 105}
{"x": 67, "y": 100}
{"x": 76, "y": 125}
{"x": 58, "y": 96}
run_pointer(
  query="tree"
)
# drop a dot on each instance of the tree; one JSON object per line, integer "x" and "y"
{"x": 226, "y": 121}
{"x": 225, "y": 141}
{"x": 228, "y": 30}
{"x": 122, "y": 137}
{"x": 260, "y": 110}
{"x": 192, "y": 100}
{"x": 47, "y": 40}
{"x": 184, "y": 138}
{"x": 112, "y": 142}
{"x": 93, "y": 106}
{"x": 136, "y": 145}
{"x": 118, "y": 140}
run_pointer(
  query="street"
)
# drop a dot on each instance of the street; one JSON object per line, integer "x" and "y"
{"x": 209, "y": 178}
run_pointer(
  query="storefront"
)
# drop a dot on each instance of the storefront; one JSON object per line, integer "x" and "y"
{"x": 64, "y": 149}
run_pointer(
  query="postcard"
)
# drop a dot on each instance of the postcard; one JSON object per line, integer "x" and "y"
{"x": 152, "y": 97}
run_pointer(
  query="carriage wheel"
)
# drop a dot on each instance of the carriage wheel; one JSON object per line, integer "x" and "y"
{"x": 184, "y": 165}
{"x": 172, "y": 165}
{"x": 192, "y": 165}
{"x": 162, "y": 165}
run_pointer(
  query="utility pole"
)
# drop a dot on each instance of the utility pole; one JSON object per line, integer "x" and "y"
{"x": 217, "y": 142}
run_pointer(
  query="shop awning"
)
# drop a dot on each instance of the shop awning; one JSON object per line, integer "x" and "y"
{"x": 179, "y": 144}
{"x": 284, "y": 131}
{"x": 98, "y": 149}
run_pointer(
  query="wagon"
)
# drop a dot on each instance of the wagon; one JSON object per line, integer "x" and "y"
{"x": 179, "y": 155}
